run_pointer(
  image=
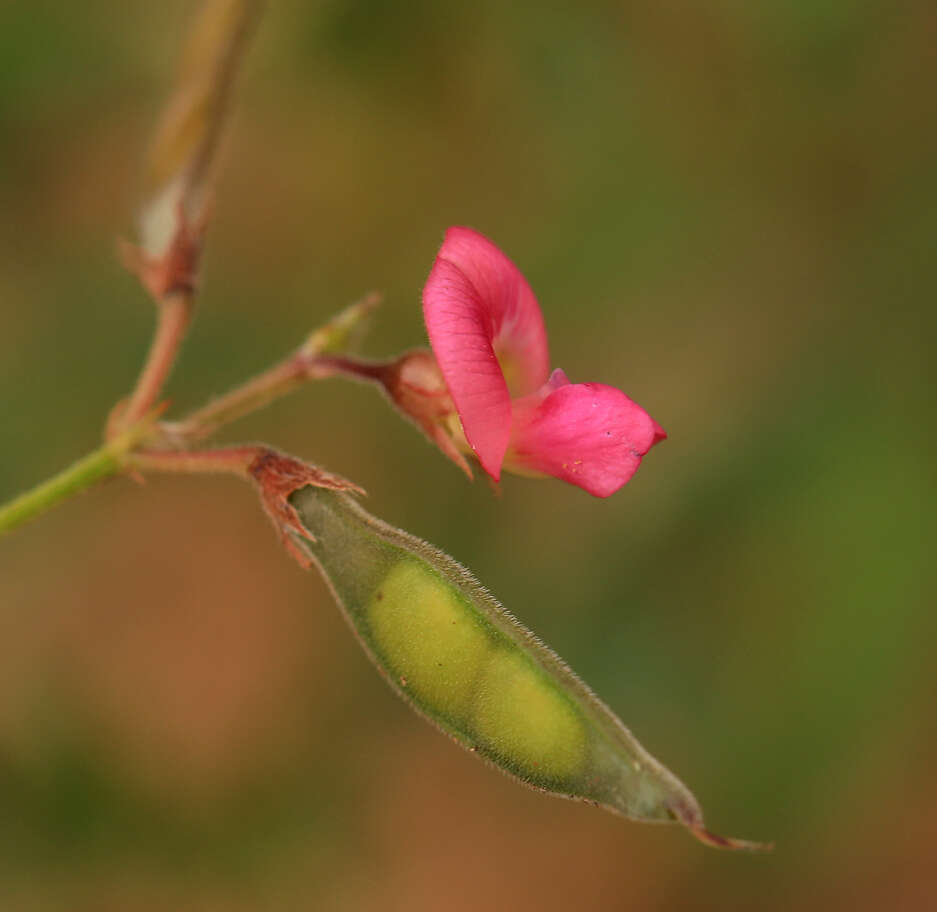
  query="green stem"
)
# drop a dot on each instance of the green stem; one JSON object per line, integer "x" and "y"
{"x": 102, "y": 463}
{"x": 313, "y": 359}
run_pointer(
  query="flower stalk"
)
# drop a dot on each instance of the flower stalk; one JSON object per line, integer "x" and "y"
{"x": 312, "y": 361}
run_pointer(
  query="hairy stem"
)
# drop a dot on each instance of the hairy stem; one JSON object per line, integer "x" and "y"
{"x": 178, "y": 177}
{"x": 136, "y": 418}
{"x": 263, "y": 389}
{"x": 175, "y": 313}
{"x": 347, "y": 366}
{"x": 228, "y": 461}
{"x": 250, "y": 396}
{"x": 317, "y": 359}
{"x": 102, "y": 463}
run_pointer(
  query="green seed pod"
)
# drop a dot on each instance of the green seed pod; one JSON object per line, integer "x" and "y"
{"x": 458, "y": 658}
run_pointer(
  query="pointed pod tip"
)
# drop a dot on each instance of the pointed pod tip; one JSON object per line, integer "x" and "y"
{"x": 709, "y": 838}
{"x": 691, "y": 817}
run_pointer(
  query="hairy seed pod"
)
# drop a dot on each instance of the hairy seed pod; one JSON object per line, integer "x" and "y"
{"x": 457, "y": 657}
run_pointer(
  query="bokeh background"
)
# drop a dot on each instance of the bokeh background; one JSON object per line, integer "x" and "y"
{"x": 728, "y": 209}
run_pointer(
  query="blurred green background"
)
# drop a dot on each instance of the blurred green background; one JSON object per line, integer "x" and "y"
{"x": 727, "y": 209}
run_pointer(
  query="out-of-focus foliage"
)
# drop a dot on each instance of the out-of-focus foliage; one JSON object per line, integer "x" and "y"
{"x": 726, "y": 210}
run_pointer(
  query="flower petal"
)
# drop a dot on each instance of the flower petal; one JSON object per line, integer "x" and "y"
{"x": 518, "y": 335}
{"x": 587, "y": 434}
{"x": 460, "y": 330}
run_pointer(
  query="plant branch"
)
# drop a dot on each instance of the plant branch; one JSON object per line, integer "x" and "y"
{"x": 275, "y": 476}
{"x": 313, "y": 361}
{"x": 178, "y": 177}
{"x": 179, "y": 174}
{"x": 134, "y": 425}
{"x": 228, "y": 461}
{"x": 242, "y": 400}
{"x": 181, "y": 164}
{"x": 263, "y": 389}
{"x": 107, "y": 460}
{"x": 175, "y": 314}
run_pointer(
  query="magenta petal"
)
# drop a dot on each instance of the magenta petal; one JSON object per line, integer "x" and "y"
{"x": 587, "y": 434}
{"x": 516, "y": 324}
{"x": 460, "y": 332}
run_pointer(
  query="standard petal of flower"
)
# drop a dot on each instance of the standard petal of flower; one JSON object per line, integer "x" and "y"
{"x": 517, "y": 332}
{"x": 459, "y": 328}
{"x": 587, "y": 434}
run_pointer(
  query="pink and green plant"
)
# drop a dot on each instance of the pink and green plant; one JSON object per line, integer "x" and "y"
{"x": 486, "y": 390}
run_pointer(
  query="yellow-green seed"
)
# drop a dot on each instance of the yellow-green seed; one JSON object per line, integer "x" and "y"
{"x": 428, "y": 638}
{"x": 521, "y": 716}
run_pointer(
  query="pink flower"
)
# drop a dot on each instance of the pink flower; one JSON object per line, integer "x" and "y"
{"x": 487, "y": 333}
